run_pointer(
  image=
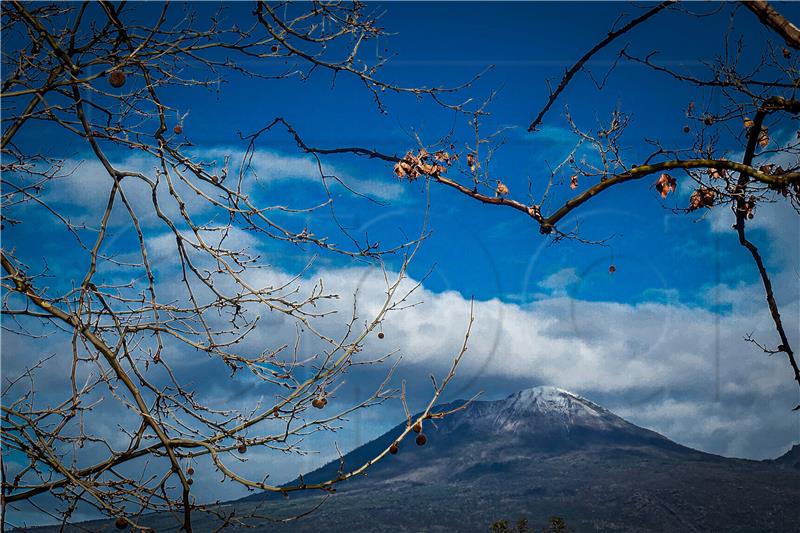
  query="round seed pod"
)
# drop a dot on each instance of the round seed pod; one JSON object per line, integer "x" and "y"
{"x": 178, "y": 129}
{"x": 319, "y": 403}
{"x": 189, "y": 481}
{"x": 394, "y": 448}
{"x": 686, "y": 129}
{"x": 612, "y": 269}
{"x": 421, "y": 439}
{"x": 242, "y": 448}
{"x": 381, "y": 335}
{"x": 116, "y": 79}
{"x": 121, "y": 523}
{"x": 417, "y": 428}
{"x": 190, "y": 471}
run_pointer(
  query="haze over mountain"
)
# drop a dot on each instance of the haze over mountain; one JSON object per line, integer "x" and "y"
{"x": 540, "y": 452}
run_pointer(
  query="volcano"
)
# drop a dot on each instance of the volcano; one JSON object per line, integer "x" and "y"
{"x": 538, "y": 453}
{"x": 545, "y": 452}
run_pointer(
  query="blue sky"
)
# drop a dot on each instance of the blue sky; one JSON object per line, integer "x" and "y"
{"x": 447, "y": 44}
{"x": 525, "y": 44}
{"x": 641, "y": 341}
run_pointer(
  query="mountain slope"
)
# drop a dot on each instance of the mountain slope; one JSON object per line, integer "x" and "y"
{"x": 543, "y": 452}
{"x": 540, "y": 452}
{"x": 494, "y": 434}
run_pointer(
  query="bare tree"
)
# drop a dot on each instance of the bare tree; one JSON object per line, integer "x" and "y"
{"x": 119, "y": 328}
{"x": 103, "y": 74}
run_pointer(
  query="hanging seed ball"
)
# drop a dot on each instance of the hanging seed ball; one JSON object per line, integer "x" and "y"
{"x": 417, "y": 427}
{"x": 421, "y": 439}
{"x": 708, "y": 121}
{"x": 242, "y": 448}
{"x": 116, "y": 79}
{"x": 189, "y": 481}
{"x": 686, "y": 129}
{"x": 275, "y": 48}
{"x": 381, "y": 335}
{"x": 394, "y": 448}
{"x": 190, "y": 471}
{"x": 121, "y": 523}
{"x": 612, "y": 269}
{"x": 319, "y": 403}
{"x": 178, "y": 129}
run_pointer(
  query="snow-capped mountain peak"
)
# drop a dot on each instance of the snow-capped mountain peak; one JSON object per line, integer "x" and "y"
{"x": 543, "y": 449}
{"x": 551, "y": 406}
{"x": 553, "y": 400}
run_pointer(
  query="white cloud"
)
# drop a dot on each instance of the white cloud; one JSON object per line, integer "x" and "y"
{"x": 655, "y": 364}
{"x": 611, "y": 350}
{"x": 268, "y": 166}
{"x": 607, "y": 350}
{"x": 559, "y": 281}
{"x": 84, "y": 185}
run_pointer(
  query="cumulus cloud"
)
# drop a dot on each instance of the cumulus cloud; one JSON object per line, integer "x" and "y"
{"x": 664, "y": 350}
{"x": 681, "y": 370}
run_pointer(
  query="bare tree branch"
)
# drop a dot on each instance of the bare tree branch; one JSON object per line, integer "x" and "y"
{"x": 775, "y": 21}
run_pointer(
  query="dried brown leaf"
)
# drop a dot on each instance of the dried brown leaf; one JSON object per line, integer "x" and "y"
{"x": 665, "y": 185}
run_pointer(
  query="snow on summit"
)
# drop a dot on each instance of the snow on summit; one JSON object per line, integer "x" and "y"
{"x": 547, "y": 399}
{"x": 552, "y": 406}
